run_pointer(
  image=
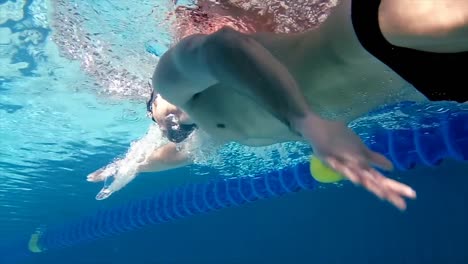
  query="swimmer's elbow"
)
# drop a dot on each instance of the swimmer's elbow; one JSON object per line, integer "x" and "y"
{"x": 198, "y": 62}
{"x": 183, "y": 71}
{"x": 166, "y": 77}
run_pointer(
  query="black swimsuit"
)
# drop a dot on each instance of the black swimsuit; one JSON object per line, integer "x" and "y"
{"x": 439, "y": 76}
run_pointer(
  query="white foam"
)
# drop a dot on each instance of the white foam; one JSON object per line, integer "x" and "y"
{"x": 126, "y": 169}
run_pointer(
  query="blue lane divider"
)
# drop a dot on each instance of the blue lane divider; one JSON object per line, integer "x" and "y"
{"x": 426, "y": 144}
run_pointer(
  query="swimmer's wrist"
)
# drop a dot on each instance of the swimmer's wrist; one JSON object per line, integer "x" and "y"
{"x": 305, "y": 122}
{"x": 311, "y": 127}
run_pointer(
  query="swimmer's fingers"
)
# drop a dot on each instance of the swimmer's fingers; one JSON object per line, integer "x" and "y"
{"x": 354, "y": 173}
{"x": 373, "y": 181}
{"x": 395, "y": 192}
{"x": 104, "y": 193}
{"x": 101, "y": 174}
{"x": 397, "y": 187}
{"x": 379, "y": 160}
{"x": 339, "y": 166}
{"x": 96, "y": 176}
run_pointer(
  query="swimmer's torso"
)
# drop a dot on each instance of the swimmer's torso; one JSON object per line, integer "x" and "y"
{"x": 340, "y": 80}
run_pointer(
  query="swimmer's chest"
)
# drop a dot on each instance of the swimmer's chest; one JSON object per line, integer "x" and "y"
{"x": 227, "y": 115}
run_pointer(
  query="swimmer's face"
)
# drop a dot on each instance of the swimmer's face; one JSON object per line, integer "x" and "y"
{"x": 173, "y": 122}
{"x": 163, "y": 112}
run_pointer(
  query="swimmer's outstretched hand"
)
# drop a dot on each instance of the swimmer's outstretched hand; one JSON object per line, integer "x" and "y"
{"x": 103, "y": 173}
{"x": 99, "y": 175}
{"x": 341, "y": 149}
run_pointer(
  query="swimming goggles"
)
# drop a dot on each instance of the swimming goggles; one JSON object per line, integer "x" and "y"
{"x": 149, "y": 104}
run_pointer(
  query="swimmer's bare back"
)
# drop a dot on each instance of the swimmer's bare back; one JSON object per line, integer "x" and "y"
{"x": 264, "y": 88}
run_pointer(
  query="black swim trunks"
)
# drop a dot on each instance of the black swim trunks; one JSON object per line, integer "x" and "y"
{"x": 439, "y": 76}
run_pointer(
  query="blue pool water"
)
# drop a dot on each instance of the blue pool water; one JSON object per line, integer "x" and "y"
{"x": 62, "y": 116}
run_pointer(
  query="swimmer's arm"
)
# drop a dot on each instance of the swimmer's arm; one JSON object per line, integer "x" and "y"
{"x": 182, "y": 71}
{"x": 230, "y": 57}
{"x": 429, "y": 25}
{"x": 241, "y": 63}
{"x": 164, "y": 158}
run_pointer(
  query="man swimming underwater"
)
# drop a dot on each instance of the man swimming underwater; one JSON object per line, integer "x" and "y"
{"x": 264, "y": 88}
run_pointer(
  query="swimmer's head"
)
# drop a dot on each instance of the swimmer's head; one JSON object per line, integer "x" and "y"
{"x": 173, "y": 122}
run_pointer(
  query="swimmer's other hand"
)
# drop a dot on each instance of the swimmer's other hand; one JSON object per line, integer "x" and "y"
{"x": 104, "y": 193}
{"x": 341, "y": 149}
{"x": 102, "y": 173}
